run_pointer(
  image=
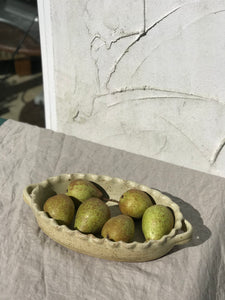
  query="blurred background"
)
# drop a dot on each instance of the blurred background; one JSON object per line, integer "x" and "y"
{"x": 21, "y": 83}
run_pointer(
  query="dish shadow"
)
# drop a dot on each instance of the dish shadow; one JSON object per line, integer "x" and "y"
{"x": 201, "y": 233}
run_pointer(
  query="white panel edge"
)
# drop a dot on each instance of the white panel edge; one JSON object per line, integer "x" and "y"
{"x": 47, "y": 54}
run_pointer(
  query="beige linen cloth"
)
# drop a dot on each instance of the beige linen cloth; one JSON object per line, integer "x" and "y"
{"x": 35, "y": 267}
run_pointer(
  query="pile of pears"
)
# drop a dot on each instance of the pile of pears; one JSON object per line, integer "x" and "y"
{"x": 84, "y": 208}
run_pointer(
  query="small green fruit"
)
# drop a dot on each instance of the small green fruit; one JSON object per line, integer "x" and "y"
{"x": 91, "y": 216}
{"x": 119, "y": 228}
{"x": 134, "y": 203}
{"x": 82, "y": 190}
{"x": 61, "y": 208}
{"x": 157, "y": 221}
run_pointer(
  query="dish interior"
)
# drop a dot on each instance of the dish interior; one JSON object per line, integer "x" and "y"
{"x": 112, "y": 188}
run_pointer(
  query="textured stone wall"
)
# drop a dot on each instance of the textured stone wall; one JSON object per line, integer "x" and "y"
{"x": 144, "y": 76}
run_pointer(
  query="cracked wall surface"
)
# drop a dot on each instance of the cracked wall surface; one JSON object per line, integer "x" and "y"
{"x": 143, "y": 76}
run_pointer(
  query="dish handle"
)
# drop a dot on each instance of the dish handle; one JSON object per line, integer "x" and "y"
{"x": 27, "y": 193}
{"x": 183, "y": 238}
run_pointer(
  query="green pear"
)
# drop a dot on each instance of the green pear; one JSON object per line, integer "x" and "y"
{"x": 83, "y": 189}
{"x": 91, "y": 216}
{"x": 134, "y": 202}
{"x": 119, "y": 228}
{"x": 157, "y": 221}
{"x": 61, "y": 208}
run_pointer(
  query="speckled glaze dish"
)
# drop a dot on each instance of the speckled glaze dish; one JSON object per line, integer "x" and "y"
{"x": 139, "y": 250}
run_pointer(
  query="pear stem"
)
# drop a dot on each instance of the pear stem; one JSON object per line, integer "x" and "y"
{"x": 112, "y": 200}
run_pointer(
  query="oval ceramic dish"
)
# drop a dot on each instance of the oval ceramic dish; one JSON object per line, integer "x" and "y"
{"x": 139, "y": 250}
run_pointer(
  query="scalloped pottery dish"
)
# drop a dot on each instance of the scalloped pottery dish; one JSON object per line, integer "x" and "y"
{"x": 139, "y": 250}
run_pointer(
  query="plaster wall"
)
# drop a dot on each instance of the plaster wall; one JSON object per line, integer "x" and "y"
{"x": 145, "y": 76}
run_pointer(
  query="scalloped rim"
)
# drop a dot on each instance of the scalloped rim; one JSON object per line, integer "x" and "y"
{"x": 104, "y": 241}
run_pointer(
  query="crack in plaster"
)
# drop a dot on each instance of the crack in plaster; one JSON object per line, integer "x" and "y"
{"x": 145, "y": 31}
{"x": 97, "y": 36}
{"x": 120, "y": 38}
{"x": 187, "y": 96}
{"x": 155, "y": 98}
{"x": 162, "y": 147}
{"x": 182, "y": 95}
{"x": 74, "y": 96}
{"x": 183, "y": 134}
{"x": 76, "y": 115}
{"x": 219, "y": 11}
{"x": 139, "y": 66}
{"x": 166, "y": 97}
{"x": 75, "y": 86}
{"x": 175, "y": 36}
{"x": 108, "y": 47}
{"x": 149, "y": 88}
{"x": 141, "y": 34}
{"x": 131, "y": 33}
{"x": 86, "y": 8}
{"x": 95, "y": 60}
{"x": 202, "y": 17}
{"x": 217, "y": 152}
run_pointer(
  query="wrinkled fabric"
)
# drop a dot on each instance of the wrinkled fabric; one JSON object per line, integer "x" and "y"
{"x": 35, "y": 267}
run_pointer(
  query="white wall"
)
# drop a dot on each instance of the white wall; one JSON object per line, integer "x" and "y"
{"x": 144, "y": 76}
